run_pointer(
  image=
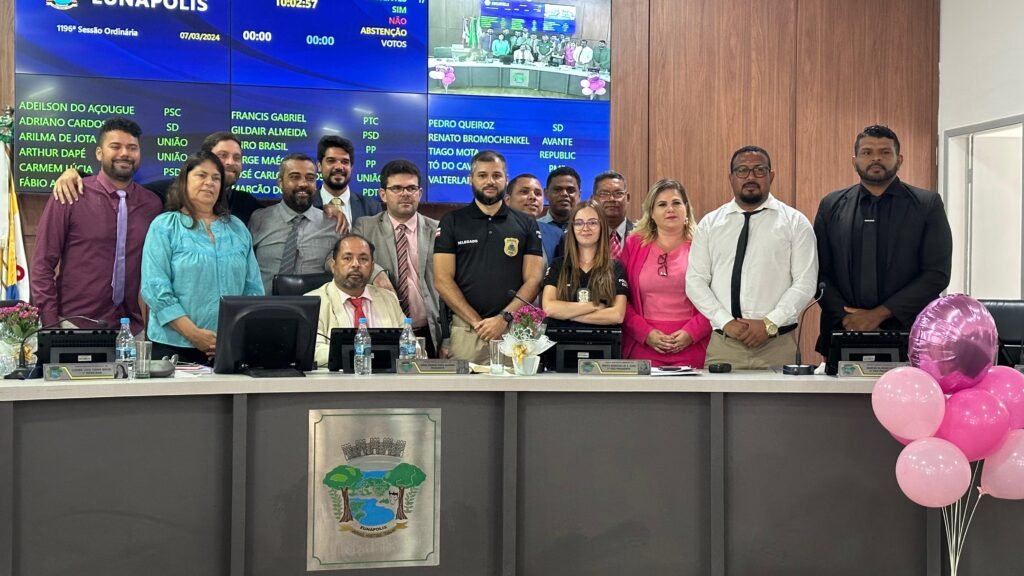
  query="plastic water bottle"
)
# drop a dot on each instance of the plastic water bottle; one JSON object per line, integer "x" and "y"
{"x": 124, "y": 346}
{"x": 407, "y": 343}
{"x": 364, "y": 350}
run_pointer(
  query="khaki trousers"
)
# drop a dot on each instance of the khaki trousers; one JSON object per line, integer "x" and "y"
{"x": 773, "y": 353}
{"x": 466, "y": 345}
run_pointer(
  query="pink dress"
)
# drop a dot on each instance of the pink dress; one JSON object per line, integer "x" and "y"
{"x": 659, "y": 303}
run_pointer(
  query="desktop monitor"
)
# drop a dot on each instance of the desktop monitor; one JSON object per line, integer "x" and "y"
{"x": 76, "y": 346}
{"x": 881, "y": 346}
{"x": 573, "y": 343}
{"x": 257, "y": 333}
{"x": 385, "y": 350}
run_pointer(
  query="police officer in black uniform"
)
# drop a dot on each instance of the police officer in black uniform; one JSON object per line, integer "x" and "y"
{"x": 482, "y": 251}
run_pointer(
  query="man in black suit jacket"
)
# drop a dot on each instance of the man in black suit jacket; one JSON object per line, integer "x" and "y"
{"x": 335, "y": 158}
{"x": 884, "y": 247}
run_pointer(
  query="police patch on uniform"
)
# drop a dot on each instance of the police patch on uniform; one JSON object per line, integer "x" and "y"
{"x": 511, "y": 246}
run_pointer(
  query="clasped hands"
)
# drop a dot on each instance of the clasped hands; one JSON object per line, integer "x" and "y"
{"x": 751, "y": 333}
{"x": 668, "y": 343}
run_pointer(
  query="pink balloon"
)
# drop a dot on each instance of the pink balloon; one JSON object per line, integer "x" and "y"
{"x": 954, "y": 340}
{"x": 1003, "y": 473}
{"x": 933, "y": 472}
{"x": 976, "y": 422}
{"x": 1006, "y": 384}
{"x": 908, "y": 403}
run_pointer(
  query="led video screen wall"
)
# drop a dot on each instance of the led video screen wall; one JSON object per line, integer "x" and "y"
{"x": 413, "y": 79}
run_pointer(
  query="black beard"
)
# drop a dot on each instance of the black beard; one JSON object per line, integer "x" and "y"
{"x": 293, "y": 203}
{"x": 485, "y": 199}
{"x": 885, "y": 177}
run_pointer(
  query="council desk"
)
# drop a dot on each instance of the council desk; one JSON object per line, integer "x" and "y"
{"x": 750, "y": 473}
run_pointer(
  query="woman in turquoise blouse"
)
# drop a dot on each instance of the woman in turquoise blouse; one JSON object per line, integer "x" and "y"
{"x": 195, "y": 252}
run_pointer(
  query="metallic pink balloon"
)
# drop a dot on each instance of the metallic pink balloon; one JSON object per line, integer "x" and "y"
{"x": 954, "y": 339}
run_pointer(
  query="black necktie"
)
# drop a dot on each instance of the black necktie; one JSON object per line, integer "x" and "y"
{"x": 869, "y": 255}
{"x": 737, "y": 265}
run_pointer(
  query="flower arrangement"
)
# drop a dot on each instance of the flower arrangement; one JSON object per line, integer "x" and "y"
{"x": 19, "y": 320}
{"x": 525, "y": 337}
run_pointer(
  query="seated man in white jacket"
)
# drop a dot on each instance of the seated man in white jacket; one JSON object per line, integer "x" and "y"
{"x": 350, "y": 297}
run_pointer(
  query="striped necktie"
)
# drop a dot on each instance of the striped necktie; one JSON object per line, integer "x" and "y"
{"x": 290, "y": 254}
{"x": 404, "y": 266}
{"x": 615, "y": 244}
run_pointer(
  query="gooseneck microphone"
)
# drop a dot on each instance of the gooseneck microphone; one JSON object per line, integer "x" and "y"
{"x": 799, "y": 368}
{"x": 23, "y": 371}
{"x": 514, "y": 294}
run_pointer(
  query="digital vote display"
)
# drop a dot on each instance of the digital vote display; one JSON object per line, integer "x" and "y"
{"x": 57, "y": 118}
{"x": 281, "y": 74}
{"x": 273, "y": 122}
{"x": 182, "y": 40}
{"x": 348, "y": 44}
{"x": 535, "y": 136}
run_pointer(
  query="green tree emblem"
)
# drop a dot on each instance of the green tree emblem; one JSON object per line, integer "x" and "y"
{"x": 402, "y": 477}
{"x": 343, "y": 478}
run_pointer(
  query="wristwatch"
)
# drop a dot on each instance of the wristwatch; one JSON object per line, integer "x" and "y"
{"x": 506, "y": 316}
{"x": 772, "y": 329}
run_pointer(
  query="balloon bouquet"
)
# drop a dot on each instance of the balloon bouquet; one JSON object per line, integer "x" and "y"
{"x": 444, "y": 73}
{"x": 952, "y": 408}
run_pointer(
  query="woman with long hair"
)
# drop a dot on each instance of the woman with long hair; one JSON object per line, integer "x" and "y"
{"x": 662, "y": 325}
{"x": 586, "y": 285}
{"x": 195, "y": 252}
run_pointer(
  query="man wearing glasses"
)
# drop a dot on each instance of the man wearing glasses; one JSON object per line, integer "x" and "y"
{"x": 292, "y": 236}
{"x": 404, "y": 242}
{"x": 753, "y": 268}
{"x": 611, "y": 193}
{"x": 885, "y": 247}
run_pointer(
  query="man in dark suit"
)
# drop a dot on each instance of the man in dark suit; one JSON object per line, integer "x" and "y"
{"x": 407, "y": 261}
{"x": 884, "y": 247}
{"x": 335, "y": 158}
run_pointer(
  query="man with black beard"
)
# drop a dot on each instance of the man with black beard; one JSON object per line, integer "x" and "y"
{"x": 482, "y": 251}
{"x": 336, "y": 157}
{"x": 885, "y": 248}
{"x": 292, "y": 236}
{"x": 752, "y": 269}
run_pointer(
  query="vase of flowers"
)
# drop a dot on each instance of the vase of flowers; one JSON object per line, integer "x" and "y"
{"x": 18, "y": 325}
{"x": 525, "y": 340}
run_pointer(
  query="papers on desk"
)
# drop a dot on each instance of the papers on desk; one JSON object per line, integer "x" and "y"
{"x": 189, "y": 370}
{"x": 674, "y": 371}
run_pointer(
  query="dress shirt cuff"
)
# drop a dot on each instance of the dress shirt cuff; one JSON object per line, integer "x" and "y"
{"x": 166, "y": 315}
{"x": 720, "y": 318}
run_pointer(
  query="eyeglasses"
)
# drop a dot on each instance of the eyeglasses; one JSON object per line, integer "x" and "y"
{"x": 604, "y": 194}
{"x": 403, "y": 189}
{"x": 757, "y": 171}
{"x": 663, "y": 265}
{"x": 593, "y": 223}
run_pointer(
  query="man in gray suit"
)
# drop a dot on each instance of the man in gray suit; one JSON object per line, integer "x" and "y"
{"x": 404, "y": 242}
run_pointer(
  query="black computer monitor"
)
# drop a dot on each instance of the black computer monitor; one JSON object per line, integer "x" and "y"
{"x": 266, "y": 333}
{"x": 575, "y": 343}
{"x": 76, "y": 346}
{"x": 385, "y": 349}
{"x": 881, "y": 346}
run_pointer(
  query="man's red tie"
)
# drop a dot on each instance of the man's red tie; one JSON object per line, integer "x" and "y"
{"x": 615, "y": 244}
{"x": 357, "y": 312}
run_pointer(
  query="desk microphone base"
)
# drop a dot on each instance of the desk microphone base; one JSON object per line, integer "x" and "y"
{"x": 798, "y": 370}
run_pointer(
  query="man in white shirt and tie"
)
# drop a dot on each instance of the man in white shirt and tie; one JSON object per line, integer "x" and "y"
{"x": 336, "y": 158}
{"x": 753, "y": 267}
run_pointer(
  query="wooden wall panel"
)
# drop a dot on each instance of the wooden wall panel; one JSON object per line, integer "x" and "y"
{"x": 862, "y": 63}
{"x": 630, "y": 135}
{"x": 721, "y": 78}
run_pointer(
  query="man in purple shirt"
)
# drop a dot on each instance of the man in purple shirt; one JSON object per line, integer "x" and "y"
{"x": 88, "y": 254}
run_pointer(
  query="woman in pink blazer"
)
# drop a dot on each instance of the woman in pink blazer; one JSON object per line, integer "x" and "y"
{"x": 661, "y": 324}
